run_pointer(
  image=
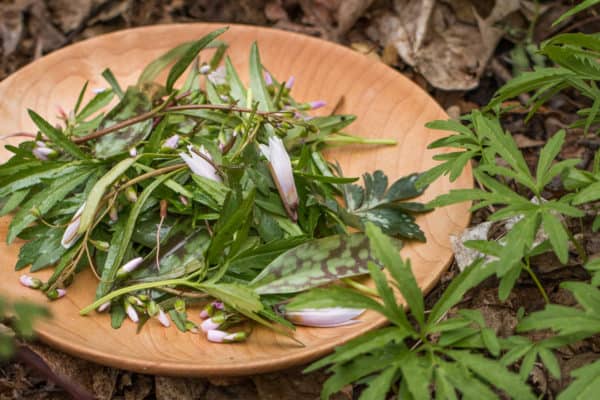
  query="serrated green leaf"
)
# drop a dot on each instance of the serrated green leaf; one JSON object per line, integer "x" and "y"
{"x": 558, "y": 236}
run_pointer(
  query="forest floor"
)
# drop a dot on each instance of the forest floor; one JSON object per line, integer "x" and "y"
{"x": 459, "y": 72}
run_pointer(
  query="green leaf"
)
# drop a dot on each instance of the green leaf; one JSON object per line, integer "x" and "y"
{"x": 99, "y": 101}
{"x": 257, "y": 81}
{"x": 188, "y": 56}
{"x": 112, "y": 81}
{"x": 370, "y": 341}
{"x": 122, "y": 241}
{"x": 550, "y": 361}
{"x": 97, "y": 192}
{"x": 45, "y": 199}
{"x": 585, "y": 4}
{"x": 494, "y": 373}
{"x": 558, "y": 236}
{"x": 117, "y": 315}
{"x": 416, "y": 375}
{"x": 133, "y": 103}
{"x": 334, "y": 297}
{"x": 388, "y": 254}
{"x": 57, "y": 136}
{"x": 587, "y": 195}
{"x": 15, "y": 199}
{"x": 586, "y": 384}
{"x": 315, "y": 263}
{"x": 379, "y": 386}
{"x": 237, "y": 89}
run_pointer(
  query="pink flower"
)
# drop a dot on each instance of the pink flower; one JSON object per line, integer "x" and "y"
{"x": 317, "y": 104}
{"x": 210, "y": 324}
{"x": 30, "y": 282}
{"x": 324, "y": 317}
{"x": 290, "y": 82}
{"x": 268, "y": 79}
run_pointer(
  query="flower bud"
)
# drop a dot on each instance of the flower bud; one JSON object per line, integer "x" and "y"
{"x": 133, "y": 152}
{"x": 204, "y": 69}
{"x": 163, "y": 318}
{"x": 281, "y": 171}
{"x": 268, "y": 78}
{"x": 70, "y": 235}
{"x": 131, "y": 194}
{"x": 210, "y": 309}
{"x": 30, "y": 282}
{"x": 184, "y": 200}
{"x": 324, "y": 317}
{"x": 152, "y": 308}
{"x": 128, "y": 267}
{"x": 44, "y": 153}
{"x": 290, "y": 82}
{"x": 135, "y": 301}
{"x": 171, "y": 143}
{"x": 103, "y": 307}
{"x": 199, "y": 165}
{"x": 179, "y": 305}
{"x": 113, "y": 213}
{"x": 56, "y": 294}
{"x": 218, "y": 336}
{"x": 213, "y": 322}
{"x": 131, "y": 313}
{"x": 100, "y": 245}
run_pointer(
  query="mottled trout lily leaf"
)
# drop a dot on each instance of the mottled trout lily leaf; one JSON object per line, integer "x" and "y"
{"x": 316, "y": 263}
{"x": 133, "y": 103}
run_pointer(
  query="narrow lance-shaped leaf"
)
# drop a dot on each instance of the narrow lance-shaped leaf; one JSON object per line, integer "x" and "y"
{"x": 315, "y": 263}
{"x": 98, "y": 190}
{"x": 57, "y": 136}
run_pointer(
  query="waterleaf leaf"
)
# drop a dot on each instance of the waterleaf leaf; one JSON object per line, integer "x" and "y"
{"x": 315, "y": 263}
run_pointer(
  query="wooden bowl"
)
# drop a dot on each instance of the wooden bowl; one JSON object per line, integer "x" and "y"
{"x": 387, "y": 104}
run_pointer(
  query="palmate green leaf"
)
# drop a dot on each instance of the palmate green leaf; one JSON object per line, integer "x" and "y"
{"x": 370, "y": 341}
{"x": 133, "y": 103}
{"x": 260, "y": 92}
{"x": 44, "y": 250}
{"x": 98, "y": 190}
{"x": 587, "y": 195}
{"x": 559, "y": 238}
{"x": 586, "y": 384}
{"x": 593, "y": 266}
{"x": 315, "y": 263}
{"x": 188, "y": 57}
{"x": 494, "y": 373}
{"x": 384, "y": 249}
{"x": 462, "y": 379}
{"x": 387, "y": 295}
{"x": 364, "y": 365}
{"x": 379, "y": 385}
{"x": 45, "y": 199}
{"x": 57, "y": 137}
{"x": 416, "y": 372}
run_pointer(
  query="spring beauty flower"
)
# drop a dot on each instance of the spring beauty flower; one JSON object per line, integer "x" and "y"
{"x": 290, "y": 82}
{"x": 199, "y": 165}
{"x": 70, "y": 235}
{"x": 217, "y": 336}
{"x": 30, "y": 282}
{"x": 324, "y": 317}
{"x": 129, "y": 266}
{"x": 281, "y": 171}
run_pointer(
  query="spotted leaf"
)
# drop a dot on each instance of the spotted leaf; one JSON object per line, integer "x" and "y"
{"x": 315, "y": 263}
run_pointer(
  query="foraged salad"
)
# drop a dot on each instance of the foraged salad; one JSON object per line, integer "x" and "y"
{"x": 212, "y": 193}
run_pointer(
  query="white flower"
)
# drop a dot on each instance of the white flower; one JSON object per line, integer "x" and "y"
{"x": 43, "y": 153}
{"x": 199, "y": 165}
{"x": 133, "y": 152}
{"x": 172, "y": 142}
{"x": 70, "y": 236}
{"x": 324, "y": 317}
{"x": 281, "y": 171}
{"x": 103, "y": 307}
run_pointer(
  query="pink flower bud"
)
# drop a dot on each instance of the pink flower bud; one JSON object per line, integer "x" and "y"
{"x": 132, "y": 313}
{"x": 133, "y": 152}
{"x": 210, "y": 324}
{"x": 268, "y": 78}
{"x": 317, "y": 104}
{"x": 130, "y": 266}
{"x": 324, "y": 317}
{"x": 30, "y": 282}
{"x": 163, "y": 318}
{"x": 290, "y": 82}
{"x": 218, "y": 336}
{"x": 70, "y": 236}
{"x": 171, "y": 143}
{"x": 103, "y": 307}
{"x": 282, "y": 173}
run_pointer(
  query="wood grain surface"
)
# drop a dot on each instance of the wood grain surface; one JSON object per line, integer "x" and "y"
{"x": 387, "y": 105}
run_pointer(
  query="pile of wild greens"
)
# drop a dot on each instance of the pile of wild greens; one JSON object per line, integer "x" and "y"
{"x": 212, "y": 193}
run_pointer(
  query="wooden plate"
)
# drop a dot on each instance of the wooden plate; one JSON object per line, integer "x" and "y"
{"x": 387, "y": 105}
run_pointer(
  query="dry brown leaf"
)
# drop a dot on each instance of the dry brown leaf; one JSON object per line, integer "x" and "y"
{"x": 348, "y": 12}
{"x": 430, "y": 36}
{"x": 167, "y": 388}
{"x": 463, "y": 255}
{"x": 11, "y": 29}
{"x": 69, "y": 14}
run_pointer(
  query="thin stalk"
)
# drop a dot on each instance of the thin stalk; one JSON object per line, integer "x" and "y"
{"x": 134, "y": 288}
{"x": 536, "y": 281}
{"x": 357, "y": 139}
{"x": 145, "y": 176}
{"x": 360, "y": 287}
{"x": 578, "y": 247}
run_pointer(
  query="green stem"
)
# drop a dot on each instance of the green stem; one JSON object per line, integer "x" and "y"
{"x": 578, "y": 247}
{"x": 134, "y": 288}
{"x": 357, "y": 139}
{"x": 536, "y": 281}
{"x": 360, "y": 287}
